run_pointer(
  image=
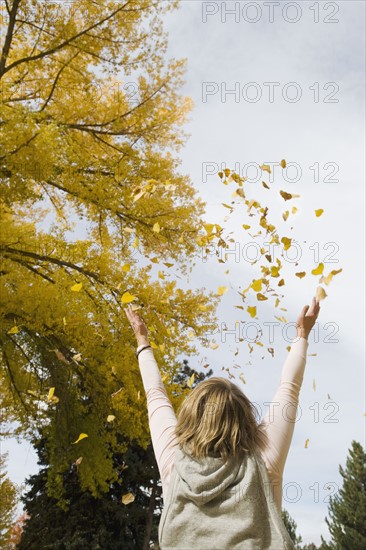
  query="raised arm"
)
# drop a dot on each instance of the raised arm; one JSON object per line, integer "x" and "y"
{"x": 162, "y": 419}
{"x": 279, "y": 421}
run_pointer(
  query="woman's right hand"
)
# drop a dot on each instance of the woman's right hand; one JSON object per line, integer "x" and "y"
{"x": 307, "y": 318}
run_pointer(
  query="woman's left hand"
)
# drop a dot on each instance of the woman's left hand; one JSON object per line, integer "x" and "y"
{"x": 137, "y": 325}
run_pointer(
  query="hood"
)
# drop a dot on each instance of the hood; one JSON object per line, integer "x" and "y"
{"x": 204, "y": 479}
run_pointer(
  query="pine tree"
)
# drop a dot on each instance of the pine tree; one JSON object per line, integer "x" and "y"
{"x": 291, "y": 527}
{"x": 347, "y": 509}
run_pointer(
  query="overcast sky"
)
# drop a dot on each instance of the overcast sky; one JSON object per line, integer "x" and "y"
{"x": 296, "y": 70}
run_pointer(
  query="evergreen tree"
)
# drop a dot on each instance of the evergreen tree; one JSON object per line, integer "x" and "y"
{"x": 347, "y": 509}
{"x": 291, "y": 527}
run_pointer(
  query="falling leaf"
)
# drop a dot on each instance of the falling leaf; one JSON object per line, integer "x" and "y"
{"x": 241, "y": 376}
{"x": 127, "y": 298}
{"x": 288, "y": 196}
{"x": 252, "y": 310}
{"x": 261, "y": 297}
{"x": 153, "y": 345}
{"x": 77, "y": 287}
{"x": 294, "y": 209}
{"x": 214, "y": 345}
{"x": 13, "y": 330}
{"x": 271, "y": 351}
{"x": 76, "y": 357}
{"x": 281, "y": 282}
{"x": 246, "y": 226}
{"x": 110, "y": 418}
{"x": 78, "y": 461}
{"x": 128, "y": 498}
{"x": 328, "y": 396}
{"x": 300, "y": 274}
{"x": 319, "y": 212}
{"x": 168, "y": 264}
{"x": 126, "y": 268}
{"x": 257, "y": 285}
{"x": 307, "y": 443}
{"x": 202, "y": 307}
{"x": 283, "y": 163}
{"x": 286, "y": 242}
{"x": 285, "y": 215}
{"x": 81, "y": 436}
{"x": 314, "y": 385}
{"x": 320, "y": 294}
{"x": 265, "y": 185}
{"x": 266, "y": 168}
{"x": 329, "y": 277}
{"x": 318, "y": 270}
{"x": 221, "y": 290}
{"x": 156, "y": 227}
{"x": 138, "y": 395}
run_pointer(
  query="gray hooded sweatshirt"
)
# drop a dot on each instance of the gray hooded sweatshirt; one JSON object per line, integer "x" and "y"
{"x": 216, "y": 505}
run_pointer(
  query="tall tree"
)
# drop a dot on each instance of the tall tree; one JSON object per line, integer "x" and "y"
{"x": 94, "y": 213}
{"x": 347, "y": 509}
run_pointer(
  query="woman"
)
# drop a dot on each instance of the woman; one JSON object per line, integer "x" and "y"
{"x": 221, "y": 472}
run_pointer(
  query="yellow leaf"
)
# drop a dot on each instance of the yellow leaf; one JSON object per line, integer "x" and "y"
{"x": 283, "y": 163}
{"x": 202, "y": 307}
{"x": 127, "y": 298}
{"x": 153, "y": 345}
{"x": 209, "y": 227}
{"x": 252, "y": 310}
{"x": 307, "y": 443}
{"x": 242, "y": 378}
{"x": 77, "y": 287}
{"x": 161, "y": 274}
{"x": 314, "y": 385}
{"x": 319, "y": 212}
{"x": 287, "y": 196}
{"x": 78, "y": 461}
{"x": 128, "y": 498}
{"x": 275, "y": 271}
{"x": 135, "y": 307}
{"x": 285, "y": 215}
{"x": 50, "y": 393}
{"x": 135, "y": 242}
{"x": 277, "y": 302}
{"x": 214, "y": 345}
{"x": 329, "y": 277}
{"x": 227, "y": 172}
{"x": 286, "y": 242}
{"x": 168, "y": 264}
{"x": 294, "y": 209}
{"x": 81, "y": 436}
{"x": 126, "y": 268}
{"x": 191, "y": 334}
{"x": 138, "y": 395}
{"x": 300, "y": 274}
{"x": 265, "y": 168}
{"x": 318, "y": 270}
{"x": 162, "y": 347}
{"x": 76, "y": 357}
{"x": 320, "y": 293}
{"x": 190, "y": 381}
{"x": 156, "y": 227}
{"x": 257, "y": 285}
{"x": 261, "y": 297}
{"x": 13, "y": 330}
{"x": 246, "y": 226}
{"x": 64, "y": 321}
{"x": 155, "y": 260}
{"x": 221, "y": 290}
{"x": 265, "y": 185}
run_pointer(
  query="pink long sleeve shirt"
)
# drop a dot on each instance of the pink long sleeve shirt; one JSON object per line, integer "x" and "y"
{"x": 278, "y": 422}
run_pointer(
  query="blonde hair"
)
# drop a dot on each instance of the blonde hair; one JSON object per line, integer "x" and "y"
{"x": 216, "y": 418}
